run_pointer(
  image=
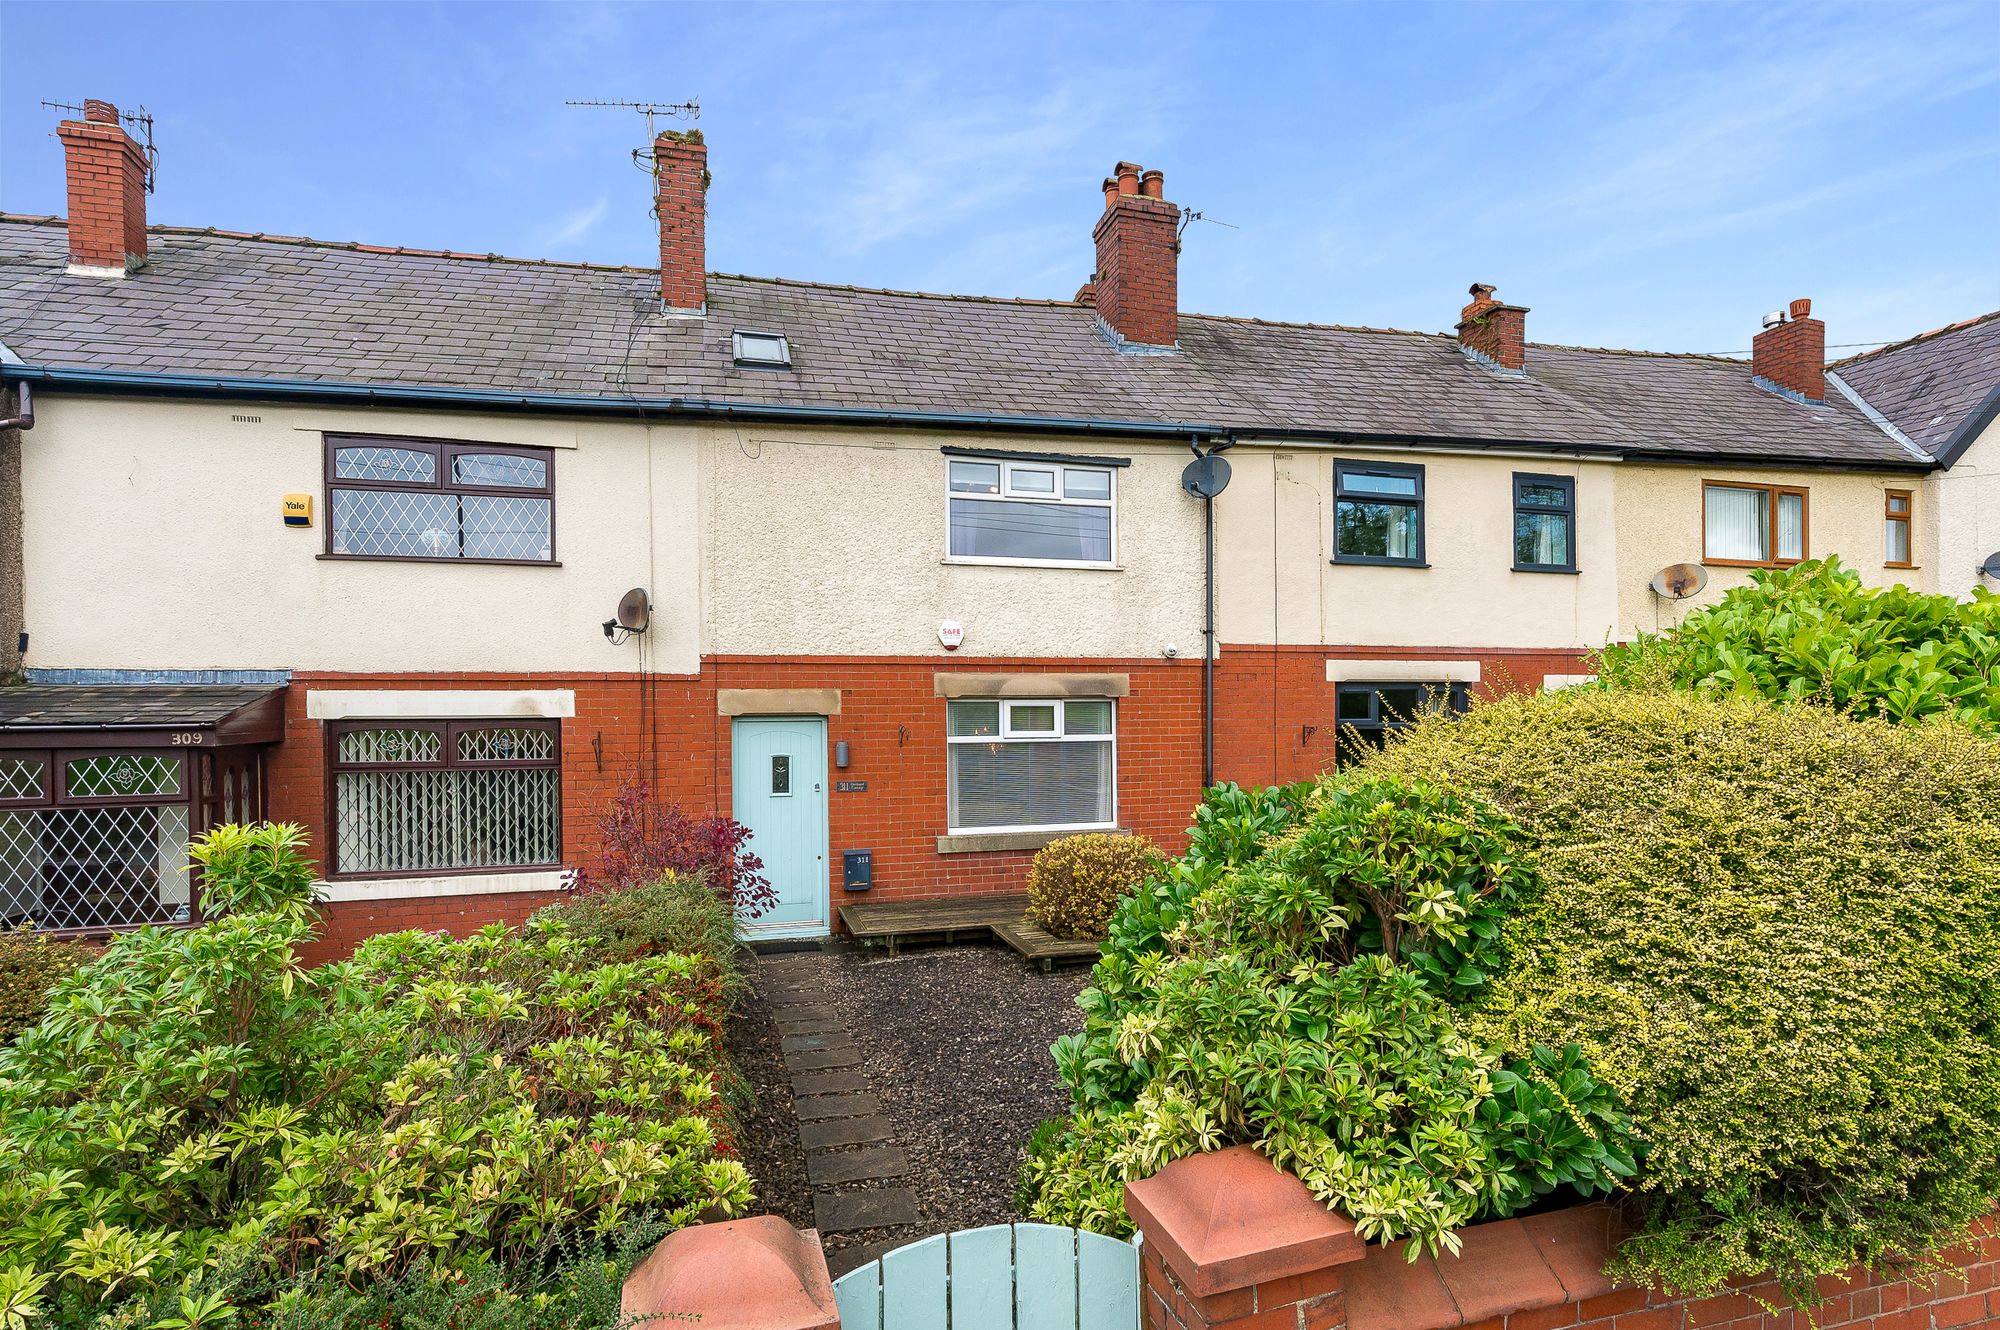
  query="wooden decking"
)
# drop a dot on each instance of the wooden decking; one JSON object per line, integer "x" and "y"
{"x": 962, "y": 917}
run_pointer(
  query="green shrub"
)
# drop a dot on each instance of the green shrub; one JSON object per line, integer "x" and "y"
{"x": 1815, "y": 633}
{"x": 1303, "y": 1001}
{"x": 672, "y": 913}
{"x": 260, "y": 868}
{"x": 30, "y": 963}
{"x": 1075, "y": 882}
{"x": 1775, "y": 931}
{"x": 1231, "y": 826}
{"x": 195, "y": 1105}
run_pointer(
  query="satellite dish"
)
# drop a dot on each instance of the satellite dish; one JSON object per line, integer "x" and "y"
{"x": 1991, "y": 568}
{"x": 1206, "y": 476}
{"x": 1678, "y": 581}
{"x": 635, "y": 611}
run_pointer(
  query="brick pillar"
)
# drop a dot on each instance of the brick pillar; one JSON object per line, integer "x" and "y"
{"x": 107, "y": 193}
{"x": 680, "y": 168}
{"x": 1137, "y": 285}
{"x": 1231, "y": 1240}
{"x": 1792, "y": 354}
{"x": 1498, "y": 332}
{"x": 747, "y": 1274}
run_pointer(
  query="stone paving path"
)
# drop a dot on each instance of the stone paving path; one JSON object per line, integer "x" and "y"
{"x": 852, "y": 1158}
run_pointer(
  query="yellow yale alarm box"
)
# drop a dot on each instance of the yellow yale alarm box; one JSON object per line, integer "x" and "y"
{"x": 298, "y": 509}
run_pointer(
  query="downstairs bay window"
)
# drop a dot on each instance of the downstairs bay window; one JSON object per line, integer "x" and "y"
{"x": 1031, "y": 765}
{"x": 422, "y": 797}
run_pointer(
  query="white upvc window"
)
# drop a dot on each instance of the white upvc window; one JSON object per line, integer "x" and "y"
{"x": 1031, "y": 512}
{"x": 1032, "y": 764}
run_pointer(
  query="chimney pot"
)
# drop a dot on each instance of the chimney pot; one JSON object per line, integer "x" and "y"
{"x": 1152, "y": 185}
{"x": 106, "y": 177}
{"x": 1790, "y": 354}
{"x": 1136, "y": 288}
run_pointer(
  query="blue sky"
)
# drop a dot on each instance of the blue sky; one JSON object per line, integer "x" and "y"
{"x": 1652, "y": 176}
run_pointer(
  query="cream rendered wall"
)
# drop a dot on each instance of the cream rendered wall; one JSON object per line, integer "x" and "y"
{"x": 1660, "y": 522}
{"x": 822, "y": 542}
{"x": 1276, "y": 582}
{"x": 1961, "y": 507}
{"x": 153, "y": 541}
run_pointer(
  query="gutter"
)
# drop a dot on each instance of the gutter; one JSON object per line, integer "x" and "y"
{"x": 225, "y": 386}
{"x": 708, "y": 408}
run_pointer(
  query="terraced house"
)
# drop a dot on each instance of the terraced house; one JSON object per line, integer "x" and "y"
{"x": 432, "y": 552}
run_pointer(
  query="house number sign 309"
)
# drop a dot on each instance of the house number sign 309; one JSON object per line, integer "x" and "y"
{"x": 185, "y": 738}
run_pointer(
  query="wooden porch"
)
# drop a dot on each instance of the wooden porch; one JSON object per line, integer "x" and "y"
{"x": 1003, "y": 917}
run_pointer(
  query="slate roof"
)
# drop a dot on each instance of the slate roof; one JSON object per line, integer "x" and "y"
{"x": 1927, "y": 386}
{"x": 141, "y": 706}
{"x": 225, "y": 304}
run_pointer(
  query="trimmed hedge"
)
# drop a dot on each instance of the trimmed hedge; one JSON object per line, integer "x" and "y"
{"x": 1074, "y": 883}
{"x": 1776, "y": 932}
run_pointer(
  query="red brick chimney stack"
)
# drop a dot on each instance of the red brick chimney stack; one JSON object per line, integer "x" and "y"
{"x": 1137, "y": 285}
{"x": 680, "y": 169}
{"x": 1791, "y": 353}
{"x": 1498, "y": 332}
{"x": 107, "y": 193}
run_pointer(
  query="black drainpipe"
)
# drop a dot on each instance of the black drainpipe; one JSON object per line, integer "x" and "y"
{"x": 26, "y": 418}
{"x": 1208, "y": 618}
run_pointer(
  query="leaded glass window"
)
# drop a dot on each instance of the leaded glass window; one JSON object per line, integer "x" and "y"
{"x": 437, "y": 796}
{"x": 420, "y": 499}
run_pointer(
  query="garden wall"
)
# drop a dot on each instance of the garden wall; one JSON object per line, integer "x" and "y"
{"x": 1230, "y": 1241}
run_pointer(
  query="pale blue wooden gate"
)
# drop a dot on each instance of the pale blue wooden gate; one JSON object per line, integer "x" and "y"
{"x": 1006, "y": 1277}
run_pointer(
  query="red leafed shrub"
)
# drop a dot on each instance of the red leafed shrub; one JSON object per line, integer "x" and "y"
{"x": 643, "y": 841}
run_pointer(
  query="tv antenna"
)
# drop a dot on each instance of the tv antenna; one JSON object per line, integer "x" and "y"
{"x": 141, "y": 120}
{"x": 1191, "y": 215}
{"x": 687, "y": 110}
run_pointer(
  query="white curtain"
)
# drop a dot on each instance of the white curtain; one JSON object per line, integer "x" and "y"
{"x": 1791, "y": 526}
{"x": 1739, "y": 524}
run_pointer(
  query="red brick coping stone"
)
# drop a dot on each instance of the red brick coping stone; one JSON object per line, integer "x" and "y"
{"x": 747, "y": 1274}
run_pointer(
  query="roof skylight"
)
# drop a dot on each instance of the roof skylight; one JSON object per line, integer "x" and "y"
{"x": 762, "y": 350}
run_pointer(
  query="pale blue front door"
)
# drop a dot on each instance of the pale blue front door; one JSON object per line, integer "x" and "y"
{"x": 778, "y": 783}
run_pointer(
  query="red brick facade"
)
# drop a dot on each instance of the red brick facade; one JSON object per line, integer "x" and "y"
{"x": 667, "y": 729}
{"x": 1274, "y": 707}
{"x": 107, "y": 190}
{"x": 1792, "y": 354}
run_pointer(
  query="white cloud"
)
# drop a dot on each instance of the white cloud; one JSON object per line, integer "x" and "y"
{"x": 577, "y": 223}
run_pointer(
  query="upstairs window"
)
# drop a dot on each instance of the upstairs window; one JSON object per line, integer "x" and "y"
{"x": 1896, "y": 529}
{"x": 1378, "y": 513}
{"x": 415, "y": 797}
{"x": 1367, "y": 713}
{"x": 1753, "y": 526}
{"x": 393, "y": 498}
{"x": 1030, "y": 512}
{"x": 1031, "y": 765}
{"x": 1544, "y": 523}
